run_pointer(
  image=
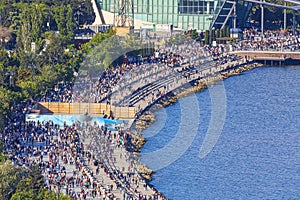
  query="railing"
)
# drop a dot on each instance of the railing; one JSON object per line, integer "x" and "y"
{"x": 268, "y": 54}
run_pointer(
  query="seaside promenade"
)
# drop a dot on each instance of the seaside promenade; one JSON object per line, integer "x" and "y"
{"x": 87, "y": 161}
{"x": 140, "y": 88}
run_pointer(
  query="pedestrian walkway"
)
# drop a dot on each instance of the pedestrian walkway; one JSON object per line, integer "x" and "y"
{"x": 86, "y": 160}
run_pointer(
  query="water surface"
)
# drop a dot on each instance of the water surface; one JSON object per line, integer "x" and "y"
{"x": 258, "y": 153}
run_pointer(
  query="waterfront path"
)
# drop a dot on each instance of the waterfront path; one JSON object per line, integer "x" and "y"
{"x": 116, "y": 171}
{"x": 143, "y": 89}
{"x": 119, "y": 176}
{"x": 90, "y": 162}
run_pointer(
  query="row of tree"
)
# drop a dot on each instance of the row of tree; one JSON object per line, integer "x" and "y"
{"x": 36, "y": 51}
{"x": 34, "y": 37}
{"x": 108, "y": 49}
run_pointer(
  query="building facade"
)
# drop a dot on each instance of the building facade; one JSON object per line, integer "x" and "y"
{"x": 182, "y": 14}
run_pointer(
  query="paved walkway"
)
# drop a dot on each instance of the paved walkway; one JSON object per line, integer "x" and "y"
{"x": 108, "y": 166}
{"x": 142, "y": 89}
{"x": 121, "y": 166}
{"x": 114, "y": 176}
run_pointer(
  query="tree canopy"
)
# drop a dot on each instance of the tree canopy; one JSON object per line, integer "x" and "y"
{"x": 36, "y": 51}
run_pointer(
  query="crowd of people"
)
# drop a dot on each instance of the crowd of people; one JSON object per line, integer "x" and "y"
{"x": 132, "y": 82}
{"x": 64, "y": 152}
{"x": 74, "y": 158}
{"x": 94, "y": 89}
{"x": 270, "y": 40}
{"x": 98, "y": 88}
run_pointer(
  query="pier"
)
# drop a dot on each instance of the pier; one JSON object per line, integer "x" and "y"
{"x": 270, "y": 57}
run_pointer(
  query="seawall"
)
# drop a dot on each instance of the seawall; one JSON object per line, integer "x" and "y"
{"x": 146, "y": 118}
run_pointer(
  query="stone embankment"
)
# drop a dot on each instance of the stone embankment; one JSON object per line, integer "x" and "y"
{"x": 144, "y": 121}
{"x": 147, "y": 118}
{"x": 144, "y": 171}
{"x": 198, "y": 85}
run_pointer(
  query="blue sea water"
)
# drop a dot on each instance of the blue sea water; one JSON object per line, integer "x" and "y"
{"x": 257, "y": 155}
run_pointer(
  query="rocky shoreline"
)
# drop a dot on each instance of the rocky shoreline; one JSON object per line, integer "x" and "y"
{"x": 137, "y": 141}
{"x": 148, "y": 117}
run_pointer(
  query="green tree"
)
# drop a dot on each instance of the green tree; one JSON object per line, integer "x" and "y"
{"x": 45, "y": 194}
{"x": 2, "y": 75}
{"x": 31, "y": 186}
{"x": 9, "y": 177}
{"x": 34, "y": 181}
{"x": 70, "y": 25}
{"x": 31, "y": 25}
{"x": 194, "y": 35}
{"x": 29, "y": 89}
{"x": 7, "y": 98}
{"x": 2, "y": 157}
{"x": 178, "y": 39}
{"x": 97, "y": 40}
{"x": 227, "y": 32}
{"x": 23, "y": 195}
{"x": 65, "y": 22}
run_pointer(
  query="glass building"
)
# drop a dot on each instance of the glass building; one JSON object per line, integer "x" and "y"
{"x": 182, "y": 14}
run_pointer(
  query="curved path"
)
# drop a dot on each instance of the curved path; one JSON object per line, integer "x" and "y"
{"x": 141, "y": 87}
{"x": 145, "y": 88}
{"x": 115, "y": 174}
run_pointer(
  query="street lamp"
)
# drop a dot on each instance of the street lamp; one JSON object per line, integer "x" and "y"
{"x": 210, "y": 28}
{"x": 11, "y": 80}
{"x": 32, "y": 68}
{"x": 49, "y": 13}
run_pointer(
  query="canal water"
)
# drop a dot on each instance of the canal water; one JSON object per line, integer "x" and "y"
{"x": 257, "y": 155}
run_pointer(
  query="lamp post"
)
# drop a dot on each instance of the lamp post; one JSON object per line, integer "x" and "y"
{"x": 49, "y": 20}
{"x": 10, "y": 74}
{"x": 32, "y": 68}
{"x": 262, "y": 19}
{"x": 210, "y": 29}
